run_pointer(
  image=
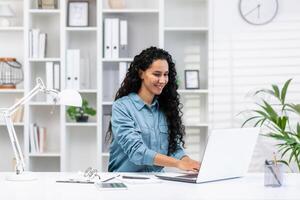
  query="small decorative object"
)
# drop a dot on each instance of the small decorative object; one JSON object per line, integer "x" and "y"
{"x": 81, "y": 114}
{"x": 116, "y": 4}
{"x": 78, "y": 13}
{"x": 277, "y": 120}
{"x": 191, "y": 79}
{"x": 5, "y": 12}
{"x": 47, "y": 4}
{"x": 258, "y": 12}
{"x": 11, "y": 73}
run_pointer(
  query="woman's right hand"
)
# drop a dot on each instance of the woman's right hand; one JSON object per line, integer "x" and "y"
{"x": 188, "y": 165}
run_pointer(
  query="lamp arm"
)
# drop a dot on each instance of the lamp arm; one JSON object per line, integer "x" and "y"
{"x": 20, "y": 164}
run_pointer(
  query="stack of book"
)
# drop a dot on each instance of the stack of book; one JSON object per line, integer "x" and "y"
{"x": 52, "y": 77}
{"x": 37, "y": 44}
{"x": 37, "y": 139}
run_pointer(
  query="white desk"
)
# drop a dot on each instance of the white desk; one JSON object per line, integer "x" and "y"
{"x": 249, "y": 187}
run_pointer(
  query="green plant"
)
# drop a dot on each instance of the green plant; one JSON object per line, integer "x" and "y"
{"x": 276, "y": 118}
{"x": 84, "y": 110}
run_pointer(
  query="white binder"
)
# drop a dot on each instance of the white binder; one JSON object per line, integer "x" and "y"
{"x": 69, "y": 69}
{"x": 56, "y": 69}
{"x": 115, "y": 38}
{"x": 123, "y": 39}
{"x": 122, "y": 71}
{"x": 107, "y": 38}
{"x": 49, "y": 79}
{"x": 76, "y": 69}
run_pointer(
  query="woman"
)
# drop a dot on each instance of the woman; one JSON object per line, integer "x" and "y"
{"x": 146, "y": 126}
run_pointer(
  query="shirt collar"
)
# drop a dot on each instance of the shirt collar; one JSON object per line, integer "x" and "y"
{"x": 139, "y": 103}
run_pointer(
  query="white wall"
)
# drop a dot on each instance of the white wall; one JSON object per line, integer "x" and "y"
{"x": 244, "y": 58}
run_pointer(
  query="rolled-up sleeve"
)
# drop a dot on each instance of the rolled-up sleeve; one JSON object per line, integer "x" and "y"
{"x": 179, "y": 153}
{"x": 130, "y": 139}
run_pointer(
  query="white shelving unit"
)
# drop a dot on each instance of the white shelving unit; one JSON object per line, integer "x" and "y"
{"x": 71, "y": 146}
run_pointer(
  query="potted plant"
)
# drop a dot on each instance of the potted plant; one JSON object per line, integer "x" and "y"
{"x": 276, "y": 118}
{"x": 81, "y": 114}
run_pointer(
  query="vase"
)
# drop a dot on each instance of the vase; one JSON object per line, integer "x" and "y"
{"x": 116, "y": 4}
{"x": 82, "y": 118}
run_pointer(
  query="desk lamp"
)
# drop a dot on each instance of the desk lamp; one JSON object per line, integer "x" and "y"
{"x": 65, "y": 97}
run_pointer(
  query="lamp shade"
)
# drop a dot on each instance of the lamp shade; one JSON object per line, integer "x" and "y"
{"x": 6, "y": 10}
{"x": 70, "y": 98}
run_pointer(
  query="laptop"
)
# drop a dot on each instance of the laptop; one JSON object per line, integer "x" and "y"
{"x": 227, "y": 155}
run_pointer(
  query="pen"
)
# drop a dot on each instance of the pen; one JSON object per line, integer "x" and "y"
{"x": 110, "y": 178}
{"x": 135, "y": 177}
{"x": 72, "y": 181}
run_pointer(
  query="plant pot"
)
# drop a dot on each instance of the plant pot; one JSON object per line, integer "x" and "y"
{"x": 82, "y": 118}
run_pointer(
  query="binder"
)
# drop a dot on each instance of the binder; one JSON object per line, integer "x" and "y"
{"x": 73, "y": 69}
{"x": 69, "y": 69}
{"x": 122, "y": 71}
{"x": 107, "y": 38}
{"x": 49, "y": 79}
{"x": 76, "y": 69}
{"x": 42, "y": 45}
{"x": 35, "y": 43}
{"x": 115, "y": 38}
{"x": 30, "y": 42}
{"x": 56, "y": 69}
{"x": 123, "y": 39}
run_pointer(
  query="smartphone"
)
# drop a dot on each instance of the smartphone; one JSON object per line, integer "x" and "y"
{"x": 110, "y": 186}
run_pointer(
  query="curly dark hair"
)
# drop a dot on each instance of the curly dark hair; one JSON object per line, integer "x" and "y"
{"x": 168, "y": 100}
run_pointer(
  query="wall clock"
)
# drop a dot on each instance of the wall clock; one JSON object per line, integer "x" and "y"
{"x": 258, "y": 12}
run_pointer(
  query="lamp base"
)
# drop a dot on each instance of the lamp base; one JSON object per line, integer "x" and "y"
{"x": 25, "y": 176}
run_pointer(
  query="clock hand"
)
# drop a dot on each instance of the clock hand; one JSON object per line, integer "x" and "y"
{"x": 251, "y": 10}
{"x": 258, "y": 11}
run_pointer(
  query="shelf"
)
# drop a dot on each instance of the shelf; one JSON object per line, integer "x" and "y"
{"x": 197, "y": 125}
{"x": 44, "y": 11}
{"x": 199, "y": 29}
{"x": 117, "y": 59}
{"x": 12, "y": 91}
{"x": 107, "y": 103}
{"x": 44, "y": 59}
{"x": 85, "y": 124}
{"x": 42, "y": 104}
{"x": 15, "y": 124}
{"x": 81, "y": 28}
{"x": 44, "y": 154}
{"x": 129, "y": 11}
{"x": 88, "y": 91}
{"x": 192, "y": 91}
{"x": 12, "y": 28}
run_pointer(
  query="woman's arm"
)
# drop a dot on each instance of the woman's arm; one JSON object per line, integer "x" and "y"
{"x": 185, "y": 163}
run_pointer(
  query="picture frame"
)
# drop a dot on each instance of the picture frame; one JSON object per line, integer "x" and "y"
{"x": 47, "y": 4}
{"x": 78, "y": 13}
{"x": 191, "y": 78}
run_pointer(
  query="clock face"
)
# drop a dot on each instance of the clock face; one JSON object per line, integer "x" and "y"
{"x": 258, "y": 12}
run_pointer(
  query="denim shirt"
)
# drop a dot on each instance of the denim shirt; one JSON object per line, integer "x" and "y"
{"x": 139, "y": 132}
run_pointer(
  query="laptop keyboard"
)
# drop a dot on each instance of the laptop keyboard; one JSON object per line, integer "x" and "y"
{"x": 189, "y": 176}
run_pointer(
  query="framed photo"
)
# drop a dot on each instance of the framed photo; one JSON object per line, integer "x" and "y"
{"x": 78, "y": 13}
{"x": 191, "y": 79}
{"x": 47, "y": 4}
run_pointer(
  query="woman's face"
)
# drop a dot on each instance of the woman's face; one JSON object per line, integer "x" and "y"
{"x": 155, "y": 78}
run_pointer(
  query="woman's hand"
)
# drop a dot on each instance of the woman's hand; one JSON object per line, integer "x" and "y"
{"x": 188, "y": 164}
